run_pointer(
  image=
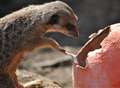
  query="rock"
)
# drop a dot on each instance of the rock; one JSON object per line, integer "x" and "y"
{"x": 33, "y": 80}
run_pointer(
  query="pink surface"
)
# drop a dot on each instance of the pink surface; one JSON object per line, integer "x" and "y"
{"x": 103, "y": 65}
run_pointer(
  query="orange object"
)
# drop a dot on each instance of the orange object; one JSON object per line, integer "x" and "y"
{"x": 102, "y": 68}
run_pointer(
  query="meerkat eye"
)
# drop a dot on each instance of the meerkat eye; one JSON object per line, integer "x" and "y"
{"x": 54, "y": 19}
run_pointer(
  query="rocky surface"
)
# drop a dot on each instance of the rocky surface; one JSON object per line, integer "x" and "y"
{"x": 43, "y": 64}
{"x": 33, "y": 80}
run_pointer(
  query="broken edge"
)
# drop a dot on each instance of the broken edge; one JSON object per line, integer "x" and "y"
{"x": 92, "y": 44}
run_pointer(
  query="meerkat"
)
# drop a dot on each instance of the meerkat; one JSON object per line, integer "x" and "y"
{"x": 25, "y": 29}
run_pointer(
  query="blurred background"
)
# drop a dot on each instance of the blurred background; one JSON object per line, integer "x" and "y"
{"x": 93, "y": 15}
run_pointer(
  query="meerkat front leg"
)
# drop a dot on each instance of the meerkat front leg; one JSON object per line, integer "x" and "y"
{"x": 12, "y": 70}
{"x": 14, "y": 77}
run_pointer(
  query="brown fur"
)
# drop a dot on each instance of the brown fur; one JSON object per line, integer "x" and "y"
{"x": 24, "y": 30}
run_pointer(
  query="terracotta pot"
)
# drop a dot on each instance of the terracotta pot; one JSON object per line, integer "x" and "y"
{"x": 102, "y": 66}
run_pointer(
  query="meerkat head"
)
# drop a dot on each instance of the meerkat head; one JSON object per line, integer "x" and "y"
{"x": 32, "y": 23}
{"x": 60, "y": 18}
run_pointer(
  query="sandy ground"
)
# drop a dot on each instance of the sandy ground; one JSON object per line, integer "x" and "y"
{"x": 51, "y": 64}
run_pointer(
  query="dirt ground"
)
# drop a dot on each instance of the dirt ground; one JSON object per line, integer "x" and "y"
{"x": 50, "y": 64}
